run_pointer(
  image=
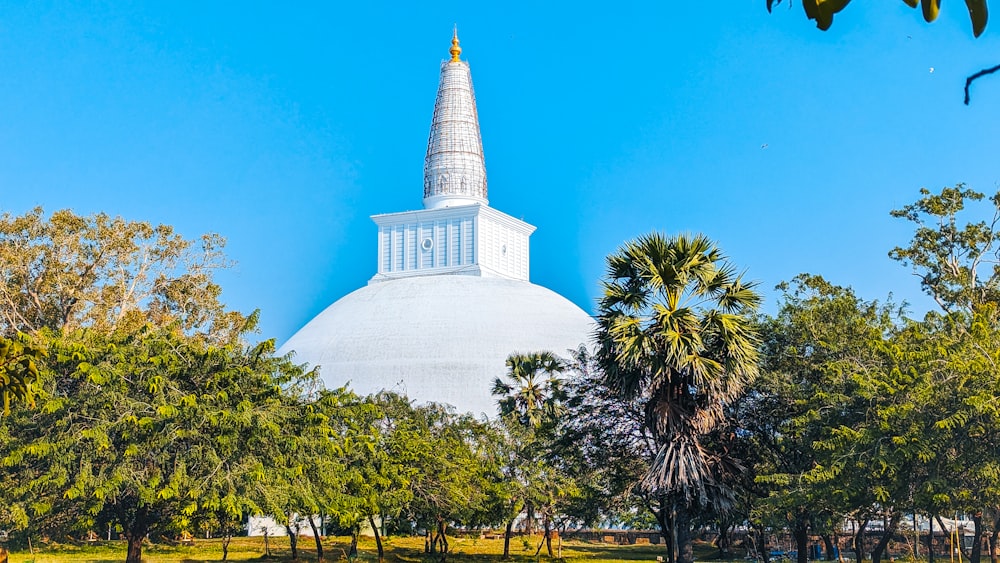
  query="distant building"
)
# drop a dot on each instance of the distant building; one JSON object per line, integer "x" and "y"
{"x": 451, "y": 298}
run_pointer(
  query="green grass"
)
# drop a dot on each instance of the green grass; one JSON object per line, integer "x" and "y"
{"x": 398, "y": 550}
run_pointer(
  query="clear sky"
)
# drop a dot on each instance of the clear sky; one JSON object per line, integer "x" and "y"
{"x": 284, "y": 126}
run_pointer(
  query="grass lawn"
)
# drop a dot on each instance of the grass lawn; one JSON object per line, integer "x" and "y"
{"x": 398, "y": 550}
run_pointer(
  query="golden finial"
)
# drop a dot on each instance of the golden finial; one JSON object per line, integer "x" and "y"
{"x": 455, "y": 49}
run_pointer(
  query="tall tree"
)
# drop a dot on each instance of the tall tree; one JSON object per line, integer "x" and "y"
{"x": 310, "y": 475}
{"x": 823, "y": 348}
{"x": 529, "y": 403}
{"x": 68, "y": 271}
{"x": 449, "y": 485}
{"x": 380, "y": 455}
{"x": 147, "y": 427}
{"x": 956, "y": 262}
{"x": 675, "y": 328}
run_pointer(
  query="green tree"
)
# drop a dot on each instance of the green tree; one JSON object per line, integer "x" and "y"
{"x": 603, "y": 439}
{"x": 67, "y": 272}
{"x": 148, "y": 427}
{"x": 823, "y": 350}
{"x": 675, "y": 327}
{"x": 530, "y": 391}
{"x": 380, "y": 448}
{"x": 510, "y": 493}
{"x": 450, "y": 481}
{"x": 529, "y": 404}
{"x": 956, "y": 264}
{"x": 310, "y": 477}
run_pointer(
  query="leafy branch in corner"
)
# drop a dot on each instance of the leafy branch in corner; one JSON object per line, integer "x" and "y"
{"x": 823, "y": 10}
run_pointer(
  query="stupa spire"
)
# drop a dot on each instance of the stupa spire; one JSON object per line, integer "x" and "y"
{"x": 454, "y": 167}
{"x": 455, "y": 49}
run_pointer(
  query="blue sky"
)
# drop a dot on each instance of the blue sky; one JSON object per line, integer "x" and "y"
{"x": 284, "y": 127}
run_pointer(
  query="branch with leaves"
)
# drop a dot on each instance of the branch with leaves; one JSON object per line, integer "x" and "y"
{"x": 822, "y": 12}
{"x": 18, "y": 370}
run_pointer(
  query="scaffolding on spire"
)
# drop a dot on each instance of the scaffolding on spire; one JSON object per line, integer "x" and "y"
{"x": 455, "y": 167}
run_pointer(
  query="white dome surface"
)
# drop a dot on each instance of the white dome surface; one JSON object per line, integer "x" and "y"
{"x": 437, "y": 338}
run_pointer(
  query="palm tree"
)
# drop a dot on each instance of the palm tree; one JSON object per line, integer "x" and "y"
{"x": 676, "y": 332}
{"x": 529, "y": 403}
{"x": 532, "y": 392}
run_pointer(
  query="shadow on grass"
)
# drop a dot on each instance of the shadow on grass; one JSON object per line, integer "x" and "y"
{"x": 624, "y": 552}
{"x": 398, "y": 550}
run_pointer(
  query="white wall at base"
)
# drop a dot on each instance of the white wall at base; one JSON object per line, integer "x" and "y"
{"x": 261, "y": 525}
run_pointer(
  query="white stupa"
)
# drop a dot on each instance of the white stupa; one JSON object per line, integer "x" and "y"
{"x": 451, "y": 299}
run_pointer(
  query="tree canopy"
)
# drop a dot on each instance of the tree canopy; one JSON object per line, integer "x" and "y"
{"x": 694, "y": 410}
{"x": 69, "y": 271}
{"x": 148, "y": 427}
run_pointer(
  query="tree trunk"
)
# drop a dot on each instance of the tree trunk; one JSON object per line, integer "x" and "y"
{"x": 506, "y": 539}
{"x": 319, "y": 539}
{"x": 562, "y": 530}
{"x": 227, "y": 537}
{"x": 353, "y": 552}
{"x": 801, "y": 534}
{"x": 134, "y": 550}
{"x": 887, "y": 533}
{"x": 758, "y": 544}
{"x": 951, "y": 539}
{"x": 723, "y": 541}
{"x": 828, "y": 546}
{"x": 977, "y": 543}
{"x": 669, "y": 523}
{"x": 685, "y": 545}
{"x": 930, "y": 538}
{"x": 859, "y": 541}
{"x": 293, "y": 542}
{"x": 135, "y": 534}
{"x": 378, "y": 539}
{"x": 548, "y": 536}
{"x": 443, "y": 534}
{"x": 665, "y": 530}
{"x": 993, "y": 541}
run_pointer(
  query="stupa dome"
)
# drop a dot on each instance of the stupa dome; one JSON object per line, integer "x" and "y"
{"x": 437, "y": 338}
{"x": 451, "y": 298}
